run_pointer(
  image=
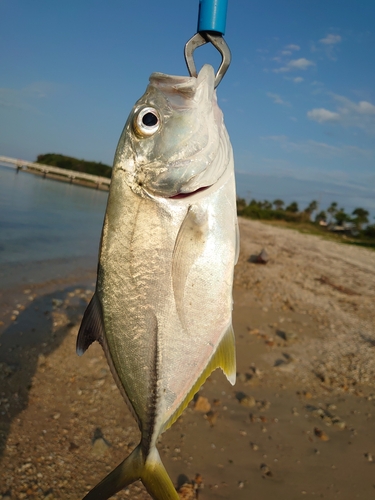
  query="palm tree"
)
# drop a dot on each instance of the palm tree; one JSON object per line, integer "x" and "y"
{"x": 361, "y": 217}
{"x": 311, "y": 207}
{"x": 332, "y": 209}
{"x": 341, "y": 217}
{"x": 278, "y": 204}
{"x": 266, "y": 205}
{"x": 321, "y": 216}
{"x": 293, "y": 207}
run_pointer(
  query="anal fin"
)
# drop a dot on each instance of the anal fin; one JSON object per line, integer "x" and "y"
{"x": 225, "y": 358}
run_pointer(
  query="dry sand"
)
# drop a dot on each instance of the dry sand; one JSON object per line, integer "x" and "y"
{"x": 300, "y": 421}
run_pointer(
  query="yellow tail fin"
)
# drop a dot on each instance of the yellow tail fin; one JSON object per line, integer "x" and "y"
{"x": 151, "y": 472}
{"x": 156, "y": 479}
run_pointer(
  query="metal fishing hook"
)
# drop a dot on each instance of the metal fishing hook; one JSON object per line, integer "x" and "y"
{"x": 211, "y": 28}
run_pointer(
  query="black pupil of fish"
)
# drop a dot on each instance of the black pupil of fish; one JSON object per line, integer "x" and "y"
{"x": 149, "y": 119}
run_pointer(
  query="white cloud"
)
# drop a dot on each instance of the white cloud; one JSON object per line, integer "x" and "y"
{"x": 322, "y": 115}
{"x": 331, "y": 39}
{"x": 348, "y": 113}
{"x": 292, "y": 46}
{"x": 295, "y": 64}
{"x": 296, "y": 79}
{"x": 286, "y": 52}
{"x": 277, "y": 99}
{"x": 319, "y": 149}
{"x": 328, "y": 45}
{"x": 301, "y": 63}
{"x": 366, "y": 108}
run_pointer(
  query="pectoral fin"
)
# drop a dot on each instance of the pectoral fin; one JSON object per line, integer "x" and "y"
{"x": 225, "y": 358}
{"x": 189, "y": 246}
{"x": 92, "y": 326}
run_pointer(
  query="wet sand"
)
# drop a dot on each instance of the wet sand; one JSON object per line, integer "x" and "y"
{"x": 300, "y": 421}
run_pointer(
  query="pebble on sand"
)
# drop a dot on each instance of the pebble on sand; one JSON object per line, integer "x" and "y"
{"x": 321, "y": 434}
{"x": 245, "y": 400}
{"x": 211, "y": 417}
{"x": 202, "y": 404}
{"x": 265, "y": 470}
{"x": 100, "y": 447}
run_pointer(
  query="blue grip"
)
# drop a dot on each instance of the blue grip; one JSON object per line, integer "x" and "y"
{"x": 212, "y": 15}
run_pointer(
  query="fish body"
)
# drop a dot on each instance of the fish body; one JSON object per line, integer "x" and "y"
{"x": 163, "y": 301}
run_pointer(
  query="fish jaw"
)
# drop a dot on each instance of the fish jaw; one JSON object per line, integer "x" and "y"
{"x": 188, "y": 152}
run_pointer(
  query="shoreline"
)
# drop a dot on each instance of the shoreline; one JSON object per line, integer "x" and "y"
{"x": 298, "y": 422}
{"x": 76, "y": 182}
{"x": 60, "y": 178}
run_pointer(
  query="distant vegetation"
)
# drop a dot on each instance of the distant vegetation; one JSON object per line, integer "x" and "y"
{"x": 355, "y": 225}
{"x": 69, "y": 163}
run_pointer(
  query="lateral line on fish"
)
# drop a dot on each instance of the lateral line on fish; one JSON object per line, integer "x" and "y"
{"x": 147, "y": 434}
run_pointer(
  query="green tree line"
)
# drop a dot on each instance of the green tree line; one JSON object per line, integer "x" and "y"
{"x": 278, "y": 210}
{"x": 70, "y": 163}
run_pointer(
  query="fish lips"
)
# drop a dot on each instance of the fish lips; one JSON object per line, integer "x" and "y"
{"x": 178, "y": 182}
{"x": 181, "y": 196}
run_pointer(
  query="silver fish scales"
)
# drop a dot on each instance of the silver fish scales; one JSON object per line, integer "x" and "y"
{"x": 163, "y": 301}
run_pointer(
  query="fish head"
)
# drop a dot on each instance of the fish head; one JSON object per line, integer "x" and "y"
{"x": 174, "y": 142}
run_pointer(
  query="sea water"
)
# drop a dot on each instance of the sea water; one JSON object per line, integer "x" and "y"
{"x": 50, "y": 228}
{"x": 47, "y": 228}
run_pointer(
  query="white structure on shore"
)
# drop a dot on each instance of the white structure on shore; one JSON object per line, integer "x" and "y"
{"x": 48, "y": 170}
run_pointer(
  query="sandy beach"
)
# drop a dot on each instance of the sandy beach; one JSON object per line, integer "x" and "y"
{"x": 299, "y": 423}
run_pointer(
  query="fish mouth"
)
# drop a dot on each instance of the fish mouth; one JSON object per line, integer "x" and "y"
{"x": 180, "y": 196}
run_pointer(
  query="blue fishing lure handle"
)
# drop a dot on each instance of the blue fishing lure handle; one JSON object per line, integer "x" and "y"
{"x": 212, "y": 16}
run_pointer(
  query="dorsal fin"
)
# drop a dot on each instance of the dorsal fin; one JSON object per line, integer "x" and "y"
{"x": 92, "y": 327}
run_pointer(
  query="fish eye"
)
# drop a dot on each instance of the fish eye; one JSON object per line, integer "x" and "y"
{"x": 146, "y": 122}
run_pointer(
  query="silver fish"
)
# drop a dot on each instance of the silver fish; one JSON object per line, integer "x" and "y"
{"x": 162, "y": 309}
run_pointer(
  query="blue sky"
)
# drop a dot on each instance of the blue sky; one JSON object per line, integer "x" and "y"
{"x": 298, "y": 98}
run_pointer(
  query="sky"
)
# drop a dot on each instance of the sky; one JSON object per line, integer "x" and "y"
{"x": 298, "y": 99}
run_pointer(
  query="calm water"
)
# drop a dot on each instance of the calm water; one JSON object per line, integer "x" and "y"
{"x": 47, "y": 228}
{"x": 50, "y": 228}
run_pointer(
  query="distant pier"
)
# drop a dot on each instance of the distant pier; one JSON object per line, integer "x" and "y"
{"x": 71, "y": 176}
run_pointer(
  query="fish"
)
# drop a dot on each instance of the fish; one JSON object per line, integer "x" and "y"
{"x": 162, "y": 307}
